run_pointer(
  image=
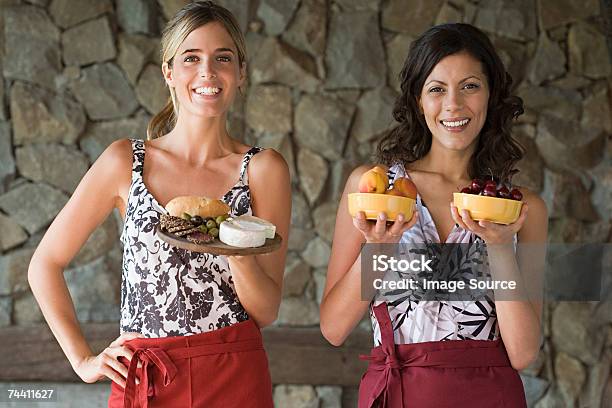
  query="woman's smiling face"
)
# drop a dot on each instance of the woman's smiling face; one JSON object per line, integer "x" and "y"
{"x": 206, "y": 71}
{"x": 454, "y": 101}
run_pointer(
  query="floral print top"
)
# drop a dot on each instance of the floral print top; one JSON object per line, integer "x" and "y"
{"x": 169, "y": 291}
{"x": 416, "y": 320}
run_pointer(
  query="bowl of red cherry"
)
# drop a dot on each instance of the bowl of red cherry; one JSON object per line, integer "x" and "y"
{"x": 488, "y": 201}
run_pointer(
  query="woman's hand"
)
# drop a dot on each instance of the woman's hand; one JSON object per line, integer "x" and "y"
{"x": 490, "y": 232}
{"x": 107, "y": 364}
{"x": 379, "y": 232}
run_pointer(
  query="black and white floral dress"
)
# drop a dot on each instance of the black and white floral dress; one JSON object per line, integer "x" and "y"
{"x": 168, "y": 291}
{"x": 416, "y": 321}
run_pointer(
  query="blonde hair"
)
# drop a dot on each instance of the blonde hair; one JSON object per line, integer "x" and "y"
{"x": 189, "y": 18}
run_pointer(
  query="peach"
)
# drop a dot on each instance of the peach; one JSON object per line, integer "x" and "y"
{"x": 373, "y": 182}
{"x": 394, "y": 192}
{"x": 405, "y": 187}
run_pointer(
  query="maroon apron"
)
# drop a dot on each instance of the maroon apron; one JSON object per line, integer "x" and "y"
{"x": 438, "y": 374}
{"x": 227, "y": 367}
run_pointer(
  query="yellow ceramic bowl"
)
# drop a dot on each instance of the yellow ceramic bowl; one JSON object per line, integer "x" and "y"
{"x": 498, "y": 210}
{"x": 372, "y": 204}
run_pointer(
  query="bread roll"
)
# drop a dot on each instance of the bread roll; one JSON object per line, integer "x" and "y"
{"x": 195, "y": 205}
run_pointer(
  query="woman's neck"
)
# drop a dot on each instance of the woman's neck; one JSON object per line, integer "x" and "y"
{"x": 198, "y": 140}
{"x": 452, "y": 165}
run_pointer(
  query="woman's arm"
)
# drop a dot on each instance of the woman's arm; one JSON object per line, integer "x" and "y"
{"x": 259, "y": 279}
{"x": 90, "y": 204}
{"x": 342, "y": 306}
{"x": 519, "y": 319}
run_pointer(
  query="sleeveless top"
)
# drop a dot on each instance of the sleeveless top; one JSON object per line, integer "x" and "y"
{"x": 169, "y": 291}
{"x": 416, "y": 321}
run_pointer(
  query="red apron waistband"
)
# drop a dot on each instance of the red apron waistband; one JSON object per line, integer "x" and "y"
{"x": 163, "y": 358}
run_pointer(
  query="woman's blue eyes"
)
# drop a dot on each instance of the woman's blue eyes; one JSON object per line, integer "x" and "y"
{"x": 192, "y": 58}
{"x": 466, "y": 86}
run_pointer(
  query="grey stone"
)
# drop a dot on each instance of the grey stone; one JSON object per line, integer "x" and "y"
{"x": 57, "y": 165}
{"x": 105, "y": 92}
{"x": 308, "y": 29}
{"x": 397, "y": 51}
{"x": 512, "y": 19}
{"x": 531, "y": 166}
{"x": 330, "y": 396}
{"x": 300, "y": 211}
{"x": 31, "y": 46}
{"x": 325, "y": 220}
{"x": 411, "y": 17}
{"x": 574, "y": 333}
{"x": 33, "y": 206}
{"x": 341, "y": 169}
{"x": 7, "y": 162}
{"x": 295, "y": 396}
{"x": 534, "y": 388}
{"x": 6, "y": 309}
{"x": 355, "y": 57}
{"x": 171, "y": 7}
{"x": 67, "y": 13}
{"x": 14, "y": 271}
{"x": 449, "y": 14}
{"x": 77, "y": 41}
{"x": 278, "y": 62}
{"x": 554, "y": 13}
{"x": 299, "y": 238}
{"x": 12, "y": 233}
{"x": 596, "y": 109}
{"x": 41, "y": 116}
{"x": 566, "y": 196}
{"x": 552, "y": 399}
{"x": 588, "y": 53}
{"x": 137, "y": 16}
{"x": 151, "y": 91}
{"x": 571, "y": 82}
{"x": 241, "y": 9}
{"x": 269, "y": 109}
{"x": 374, "y": 114}
{"x": 135, "y": 51}
{"x": 548, "y": 62}
{"x": 561, "y": 103}
{"x": 313, "y": 172}
{"x": 298, "y": 311}
{"x": 356, "y": 5}
{"x": 317, "y": 253}
{"x": 598, "y": 376}
{"x": 565, "y": 145}
{"x": 2, "y": 104}
{"x": 99, "y": 135}
{"x": 320, "y": 277}
{"x": 325, "y": 117}
{"x": 297, "y": 275}
{"x": 95, "y": 289}
{"x": 26, "y": 311}
{"x": 513, "y": 54}
{"x": 602, "y": 190}
{"x": 276, "y": 14}
{"x": 570, "y": 377}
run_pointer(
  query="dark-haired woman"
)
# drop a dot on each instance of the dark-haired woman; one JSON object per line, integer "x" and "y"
{"x": 454, "y": 115}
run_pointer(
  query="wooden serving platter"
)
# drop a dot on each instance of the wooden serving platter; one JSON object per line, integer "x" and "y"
{"x": 217, "y": 247}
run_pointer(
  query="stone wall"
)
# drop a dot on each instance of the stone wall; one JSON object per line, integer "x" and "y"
{"x": 322, "y": 80}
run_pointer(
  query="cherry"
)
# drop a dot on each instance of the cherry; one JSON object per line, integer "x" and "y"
{"x": 490, "y": 183}
{"x": 466, "y": 190}
{"x": 477, "y": 185}
{"x": 489, "y": 191}
{"x": 515, "y": 194}
{"x": 503, "y": 192}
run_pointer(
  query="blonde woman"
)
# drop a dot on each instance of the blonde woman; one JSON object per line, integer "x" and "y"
{"x": 190, "y": 322}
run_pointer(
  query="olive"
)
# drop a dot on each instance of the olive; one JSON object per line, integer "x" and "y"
{"x": 214, "y": 232}
{"x": 211, "y": 224}
{"x": 203, "y": 229}
{"x": 197, "y": 220}
{"x": 186, "y": 216}
{"x": 220, "y": 219}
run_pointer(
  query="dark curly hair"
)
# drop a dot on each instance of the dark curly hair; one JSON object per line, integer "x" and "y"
{"x": 497, "y": 151}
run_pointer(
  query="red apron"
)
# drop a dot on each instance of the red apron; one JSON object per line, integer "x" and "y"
{"x": 438, "y": 374}
{"x": 222, "y": 368}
